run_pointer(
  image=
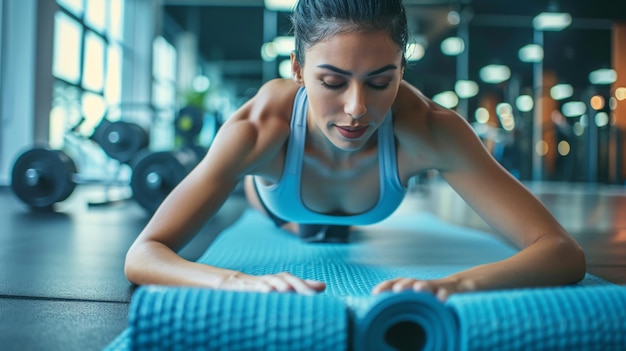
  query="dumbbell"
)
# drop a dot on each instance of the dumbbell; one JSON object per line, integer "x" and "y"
{"x": 120, "y": 140}
{"x": 155, "y": 174}
{"x": 42, "y": 177}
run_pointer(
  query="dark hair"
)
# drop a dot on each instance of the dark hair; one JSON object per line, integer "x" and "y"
{"x": 316, "y": 20}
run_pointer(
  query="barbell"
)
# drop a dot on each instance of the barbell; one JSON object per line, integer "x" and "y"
{"x": 42, "y": 177}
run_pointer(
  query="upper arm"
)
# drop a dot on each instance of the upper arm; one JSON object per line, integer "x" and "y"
{"x": 250, "y": 140}
{"x": 500, "y": 199}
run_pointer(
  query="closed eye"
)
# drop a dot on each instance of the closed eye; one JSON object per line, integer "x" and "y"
{"x": 333, "y": 86}
{"x": 378, "y": 86}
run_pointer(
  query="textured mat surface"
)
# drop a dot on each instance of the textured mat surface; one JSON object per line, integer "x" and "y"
{"x": 346, "y": 316}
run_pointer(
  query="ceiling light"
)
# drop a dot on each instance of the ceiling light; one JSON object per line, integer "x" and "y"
{"x": 201, "y": 84}
{"x": 504, "y": 108}
{"x": 284, "y": 45}
{"x": 552, "y": 21}
{"x": 524, "y": 103}
{"x": 564, "y": 148}
{"x": 602, "y": 119}
{"x": 602, "y": 76}
{"x": 284, "y": 69}
{"x": 454, "y": 18}
{"x": 597, "y": 102}
{"x": 578, "y": 129}
{"x": 415, "y": 52}
{"x": 505, "y": 114}
{"x": 268, "y": 52}
{"x": 447, "y": 99}
{"x": 466, "y": 89}
{"x": 452, "y": 46}
{"x": 495, "y": 74}
{"x": 574, "y": 109}
{"x": 481, "y": 115}
{"x": 583, "y": 121}
{"x": 280, "y": 5}
{"x": 531, "y": 53}
{"x": 542, "y": 147}
{"x": 561, "y": 91}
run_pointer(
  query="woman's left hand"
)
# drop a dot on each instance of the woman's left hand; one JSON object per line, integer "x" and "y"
{"x": 441, "y": 288}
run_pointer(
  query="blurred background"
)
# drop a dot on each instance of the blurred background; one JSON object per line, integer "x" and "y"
{"x": 119, "y": 99}
{"x": 543, "y": 82}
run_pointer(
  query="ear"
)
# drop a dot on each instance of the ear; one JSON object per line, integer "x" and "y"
{"x": 296, "y": 69}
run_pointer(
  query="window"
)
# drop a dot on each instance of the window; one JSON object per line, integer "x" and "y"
{"x": 163, "y": 92}
{"x": 87, "y": 66}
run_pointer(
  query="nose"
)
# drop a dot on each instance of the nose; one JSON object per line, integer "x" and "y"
{"x": 355, "y": 105}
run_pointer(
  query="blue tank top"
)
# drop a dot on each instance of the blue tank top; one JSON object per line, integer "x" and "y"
{"x": 283, "y": 198}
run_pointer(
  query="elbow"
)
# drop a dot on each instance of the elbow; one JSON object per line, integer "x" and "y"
{"x": 576, "y": 262}
{"x": 582, "y": 270}
{"x": 131, "y": 265}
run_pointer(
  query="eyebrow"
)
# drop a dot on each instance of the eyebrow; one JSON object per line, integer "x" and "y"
{"x": 348, "y": 73}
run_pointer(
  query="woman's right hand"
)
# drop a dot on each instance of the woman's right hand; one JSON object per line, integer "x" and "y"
{"x": 279, "y": 282}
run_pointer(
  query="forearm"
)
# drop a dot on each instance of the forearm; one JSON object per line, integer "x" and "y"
{"x": 152, "y": 262}
{"x": 550, "y": 261}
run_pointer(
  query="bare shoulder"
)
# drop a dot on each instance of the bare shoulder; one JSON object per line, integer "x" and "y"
{"x": 256, "y": 133}
{"x": 273, "y": 102}
{"x": 429, "y": 135}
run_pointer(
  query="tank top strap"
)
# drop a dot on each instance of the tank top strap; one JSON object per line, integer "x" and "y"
{"x": 295, "y": 148}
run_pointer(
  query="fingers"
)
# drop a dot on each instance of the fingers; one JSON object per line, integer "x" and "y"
{"x": 316, "y": 285}
{"x": 387, "y": 285}
{"x": 302, "y": 286}
{"x": 276, "y": 283}
{"x": 442, "y": 294}
{"x": 280, "y": 282}
{"x": 401, "y": 284}
{"x": 441, "y": 289}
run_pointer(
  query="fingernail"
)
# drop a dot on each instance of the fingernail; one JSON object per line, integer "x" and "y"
{"x": 418, "y": 286}
{"x": 442, "y": 295}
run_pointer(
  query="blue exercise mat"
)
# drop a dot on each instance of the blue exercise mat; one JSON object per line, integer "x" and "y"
{"x": 588, "y": 316}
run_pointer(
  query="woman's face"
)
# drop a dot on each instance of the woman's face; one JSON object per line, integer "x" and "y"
{"x": 351, "y": 80}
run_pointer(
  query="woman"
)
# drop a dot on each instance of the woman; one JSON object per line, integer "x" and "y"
{"x": 346, "y": 135}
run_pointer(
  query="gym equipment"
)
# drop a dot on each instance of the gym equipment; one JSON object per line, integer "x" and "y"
{"x": 120, "y": 140}
{"x": 587, "y": 315}
{"x": 42, "y": 177}
{"x": 155, "y": 174}
{"x": 188, "y": 123}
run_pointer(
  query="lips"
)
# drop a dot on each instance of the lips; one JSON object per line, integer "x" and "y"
{"x": 352, "y": 132}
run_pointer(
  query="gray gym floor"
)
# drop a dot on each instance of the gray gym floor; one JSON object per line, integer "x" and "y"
{"x": 62, "y": 286}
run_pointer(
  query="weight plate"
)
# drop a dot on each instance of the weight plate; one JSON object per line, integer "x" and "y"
{"x": 42, "y": 177}
{"x": 155, "y": 174}
{"x": 121, "y": 140}
{"x": 189, "y": 122}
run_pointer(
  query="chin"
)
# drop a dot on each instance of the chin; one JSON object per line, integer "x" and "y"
{"x": 351, "y": 145}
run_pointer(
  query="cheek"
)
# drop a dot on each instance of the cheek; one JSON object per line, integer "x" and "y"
{"x": 324, "y": 102}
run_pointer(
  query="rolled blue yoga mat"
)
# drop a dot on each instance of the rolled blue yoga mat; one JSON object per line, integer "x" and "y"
{"x": 563, "y": 318}
{"x": 200, "y": 319}
{"x": 404, "y": 321}
{"x": 587, "y": 316}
